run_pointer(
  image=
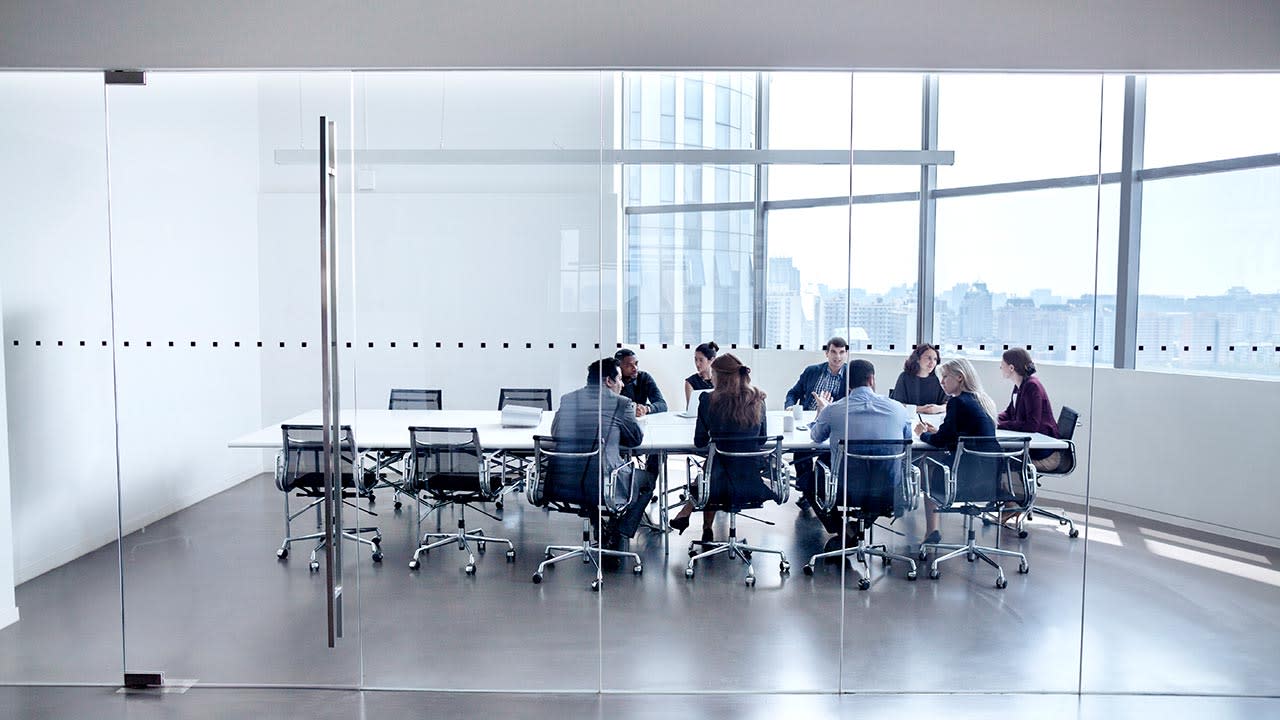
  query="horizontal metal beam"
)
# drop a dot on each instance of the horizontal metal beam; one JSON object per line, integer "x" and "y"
{"x": 553, "y": 156}
{"x": 1249, "y": 162}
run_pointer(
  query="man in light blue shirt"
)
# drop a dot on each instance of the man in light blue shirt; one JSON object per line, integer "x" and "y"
{"x": 861, "y": 415}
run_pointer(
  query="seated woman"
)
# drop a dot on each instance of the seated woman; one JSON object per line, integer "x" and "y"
{"x": 701, "y": 380}
{"x": 917, "y": 385}
{"x": 1029, "y": 408}
{"x": 733, "y": 414}
{"x": 970, "y": 412}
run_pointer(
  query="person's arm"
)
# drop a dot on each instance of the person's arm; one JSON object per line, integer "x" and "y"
{"x": 797, "y": 392}
{"x": 653, "y": 395}
{"x": 631, "y": 434}
{"x": 820, "y": 430}
{"x": 1024, "y": 417}
{"x": 946, "y": 436}
{"x": 900, "y": 391}
{"x": 701, "y": 432}
{"x": 688, "y": 392}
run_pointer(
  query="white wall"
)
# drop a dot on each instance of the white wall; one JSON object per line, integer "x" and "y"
{"x": 8, "y": 604}
{"x": 989, "y": 34}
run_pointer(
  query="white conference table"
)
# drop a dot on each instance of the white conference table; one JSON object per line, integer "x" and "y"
{"x": 664, "y": 433}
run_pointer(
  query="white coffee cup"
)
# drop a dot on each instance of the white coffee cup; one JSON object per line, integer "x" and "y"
{"x": 797, "y": 412}
{"x": 788, "y": 424}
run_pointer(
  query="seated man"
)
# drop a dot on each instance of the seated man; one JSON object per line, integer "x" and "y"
{"x": 863, "y": 415}
{"x": 593, "y": 411}
{"x": 638, "y": 385}
{"x": 826, "y": 382}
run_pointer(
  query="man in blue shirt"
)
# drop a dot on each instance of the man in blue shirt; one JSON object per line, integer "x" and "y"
{"x": 862, "y": 415}
{"x": 823, "y": 382}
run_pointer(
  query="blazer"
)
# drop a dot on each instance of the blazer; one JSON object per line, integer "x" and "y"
{"x": 734, "y": 481}
{"x": 802, "y": 391}
{"x": 587, "y": 416}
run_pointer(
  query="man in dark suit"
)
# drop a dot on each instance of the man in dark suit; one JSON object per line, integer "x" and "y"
{"x": 818, "y": 385}
{"x": 596, "y": 413}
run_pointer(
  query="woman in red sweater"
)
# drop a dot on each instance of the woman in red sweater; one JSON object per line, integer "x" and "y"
{"x": 1029, "y": 409}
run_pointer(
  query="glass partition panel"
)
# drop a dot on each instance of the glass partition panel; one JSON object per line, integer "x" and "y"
{"x": 485, "y": 272}
{"x": 216, "y": 289}
{"x": 59, "y": 561}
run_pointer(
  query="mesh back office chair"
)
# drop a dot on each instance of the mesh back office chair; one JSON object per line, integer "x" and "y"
{"x": 300, "y": 469}
{"x": 529, "y": 397}
{"x": 986, "y": 473}
{"x": 875, "y": 479}
{"x": 569, "y": 481}
{"x": 448, "y": 467}
{"x": 747, "y": 479}
{"x": 386, "y": 463}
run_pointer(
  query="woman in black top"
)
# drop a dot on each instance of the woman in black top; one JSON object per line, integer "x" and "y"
{"x": 701, "y": 380}
{"x": 734, "y": 415}
{"x": 917, "y": 384}
{"x": 970, "y": 412}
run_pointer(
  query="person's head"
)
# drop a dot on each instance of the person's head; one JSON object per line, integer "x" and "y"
{"x": 1016, "y": 362}
{"x": 959, "y": 376}
{"x": 862, "y": 372}
{"x": 628, "y": 363}
{"x": 733, "y": 394}
{"x": 922, "y": 361}
{"x": 703, "y": 355}
{"x": 837, "y": 352}
{"x": 604, "y": 371}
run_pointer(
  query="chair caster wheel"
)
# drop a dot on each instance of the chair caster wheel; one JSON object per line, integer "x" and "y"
{"x": 692, "y": 551}
{"x": 637, "y": 569}
{"x": 1001, "y": 583}
{"x": 480, "y": 548}
{"x": 885, "y": 562}
{"x": 537, "y": 578}
{"x": 414, "y": 565}
{"x": 864, "y": 584}
{"x": 511, "y": 556}
{"x": 376, "y": 540}
{"x": 595, "y": 585}
{"x": 396, "y": 505}
{"x": 315, "y": 566}
{"x": 469, "y": 569}
{"x": 283, "y": 553}
{"x": 970, "y": 557}
{"x": 377, "y": 556}
{"x": 784, "y": 567}
{"x": 934, "y": 574}
{"x": 546, "y": 555}
{"x": 1062, "y": 522}
{"x": 1023, "y": 568}
{"x": 688, "y": 572}
{"x": 808, "y": 569}
{"x": 497, "y": 505}
{"x": 986, "y": 522}
{"x": 1074, "y": 533}
{"x": 911, "y": 575}
{"x": 1022, "y": 534}
{"x": 751, "y": 581}
{"x": 921, "y": 555}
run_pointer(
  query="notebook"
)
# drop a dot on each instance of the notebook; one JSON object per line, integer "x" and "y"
{"x": 692, "y": 409}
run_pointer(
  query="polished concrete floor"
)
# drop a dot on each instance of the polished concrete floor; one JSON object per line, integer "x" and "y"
{"x": 1165, "y": 611}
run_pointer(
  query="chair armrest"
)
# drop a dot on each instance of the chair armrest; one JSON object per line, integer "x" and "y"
{"x": 533, "y": 484}
{"x": 949, "y": 485}
{"x": 280, "y": 485}
{"x": 825, "y": 493}
{"x": 609, "y": 491}
{"x": 699, "y": 483}
{"x": 911, "y": 489}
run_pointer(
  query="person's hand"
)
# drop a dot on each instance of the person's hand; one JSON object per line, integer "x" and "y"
{"x": 922, "y": 428}
{"x": 932, "y": 409}
{"x": 641, "y": 410}
{"x": 821, "y": 400}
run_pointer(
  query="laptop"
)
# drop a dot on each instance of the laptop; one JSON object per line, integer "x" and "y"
{"x": 692, "y": 409}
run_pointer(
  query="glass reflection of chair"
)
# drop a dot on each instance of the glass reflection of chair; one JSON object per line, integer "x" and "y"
{"x": 744, "y": 472}
{"x": 449, "y": 468}
{"x": 878, "y": 481}
{"x": 528, "y": 397}
{"x": 300, "y": 469}
{"x": 984, "y": 473}
{"x": 561, "y": 480}
{"x": 388, "y": 462}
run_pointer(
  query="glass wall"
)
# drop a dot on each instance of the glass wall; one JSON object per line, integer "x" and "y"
{"x": 505, "y": 229}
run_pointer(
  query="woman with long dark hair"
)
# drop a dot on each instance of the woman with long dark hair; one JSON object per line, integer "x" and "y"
{"x": 917, "y": 384}
{"x": 733, "y": 414}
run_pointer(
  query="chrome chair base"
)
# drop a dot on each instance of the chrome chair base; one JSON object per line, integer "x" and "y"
{"x": 972, "y": 550}
{"x": 861, "y": 552}
{"x": 463, "y": 538}
{"x": 734, "y": 548}
{"x": 590, "y": 552}
{"x": 350, "y": 533}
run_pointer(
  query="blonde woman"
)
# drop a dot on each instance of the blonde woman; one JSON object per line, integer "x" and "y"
{"x": 970, "y": 412}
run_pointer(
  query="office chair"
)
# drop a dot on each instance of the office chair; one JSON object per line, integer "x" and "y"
{"x": 875, "y": 479}
{"x": 984, "y": 475}
{"x": 529, "y": 397}
{"x": 1067, "y": 419}
{"x": 388, "y": 461}
{"x": 746, "y": 480}
{"x": 448, "y": 467}
{"x": 300, "y": 469}
{"x": 563, "y": 480}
